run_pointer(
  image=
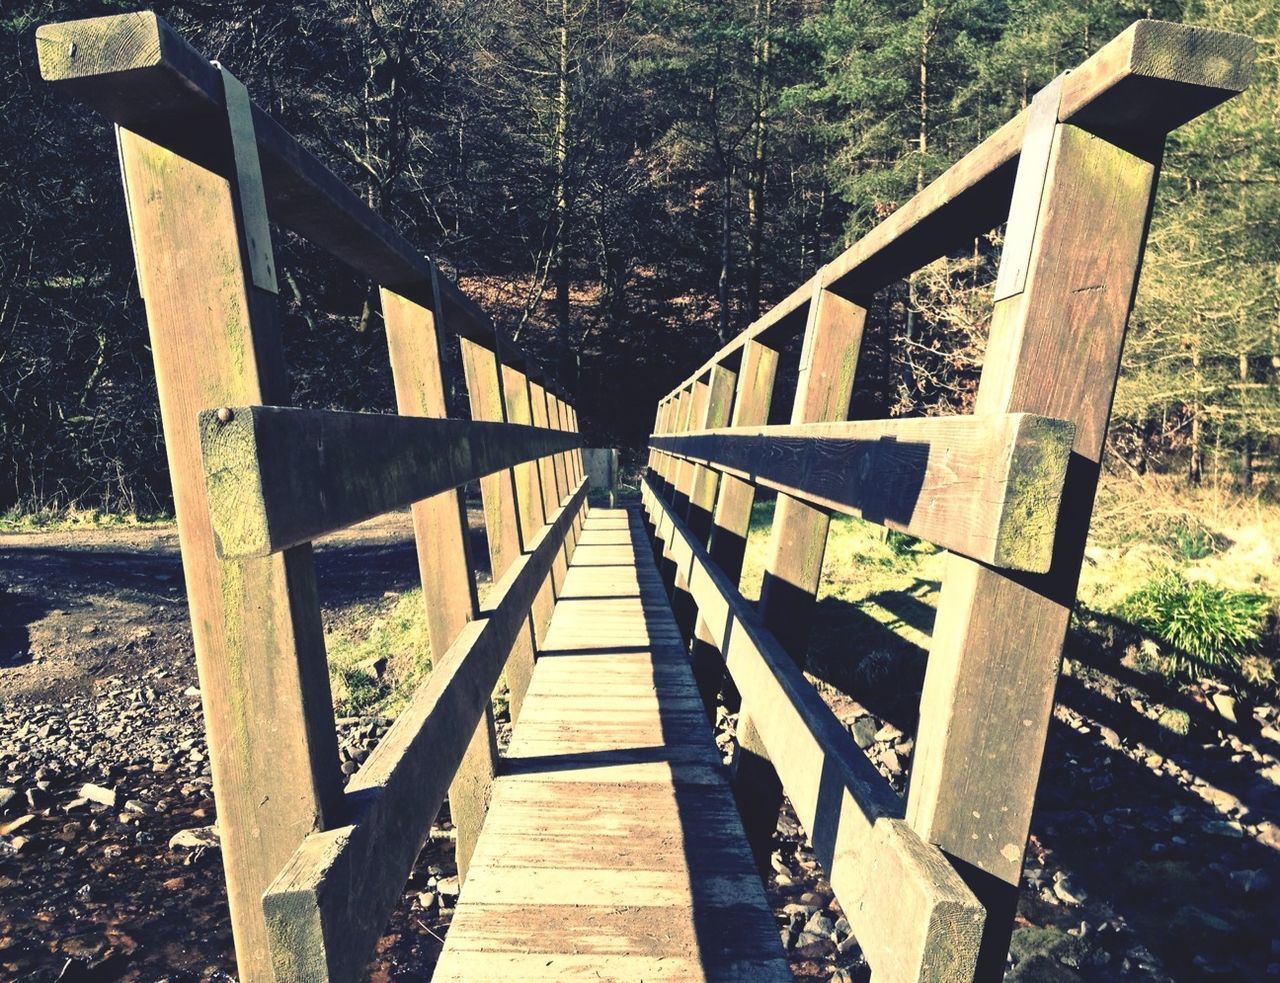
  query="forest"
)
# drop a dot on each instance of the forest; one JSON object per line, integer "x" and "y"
{"x": 623, "y": 185}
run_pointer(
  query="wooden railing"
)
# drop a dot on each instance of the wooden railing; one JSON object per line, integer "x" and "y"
{"x": 929, "y": 886}
{"x": 313, "y": 871}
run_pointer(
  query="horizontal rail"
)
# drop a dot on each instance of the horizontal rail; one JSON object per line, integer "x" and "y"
{"x": 910, "y": 911}
{"x": 1143, "y": 84}
{"x": 987, "y": 487}
{"x": 138, "y": 72}
{"x": 279, "y": 476}
{"x": 330, "y": 904}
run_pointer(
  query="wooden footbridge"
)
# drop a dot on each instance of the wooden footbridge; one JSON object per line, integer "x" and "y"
{"x": 609, "y": 842}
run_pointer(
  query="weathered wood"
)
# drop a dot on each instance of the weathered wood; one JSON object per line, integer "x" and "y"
{"x": 797, "y": 543}
{"x": 613, "y": 848}
{"x": 279, "y": 476}
{"x": 443, "y": 538}
{"x": 501, "y": 508}
{"x": 259, "y": 641}
{"x": 988, "y": 487}
{"x": 135, "y": 70}
{"x": 997, "y": 642}
{"x": 1144, "y": 83}
{"x": 912, "y": 914}
{"x": 550, "y": 483}
{"x": 529, "y": 501}
{"x": 317, "y": 930}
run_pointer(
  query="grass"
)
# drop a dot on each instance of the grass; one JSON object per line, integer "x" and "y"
{"x": 71, "y": 519}
{"x": 391, "y": 631}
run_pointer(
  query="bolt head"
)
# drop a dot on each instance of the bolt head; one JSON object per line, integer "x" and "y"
{"x": 225, "y": 415}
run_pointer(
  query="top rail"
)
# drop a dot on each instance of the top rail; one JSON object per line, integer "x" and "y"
{"x": 138, "y": 72}
{"x": 1141, "y": 85}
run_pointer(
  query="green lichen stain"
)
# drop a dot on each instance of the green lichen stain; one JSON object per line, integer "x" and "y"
{"x": 1037, "y": 472}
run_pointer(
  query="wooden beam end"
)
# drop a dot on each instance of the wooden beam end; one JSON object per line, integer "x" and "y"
{"x": 1190, "y": 55}
{"x": 233, "y": 479}
{"x": 100, "y": 45}
{"x": 1039, "y": 449}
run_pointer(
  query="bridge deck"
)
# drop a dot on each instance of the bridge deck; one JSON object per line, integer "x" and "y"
{"x": 612, "y": 847}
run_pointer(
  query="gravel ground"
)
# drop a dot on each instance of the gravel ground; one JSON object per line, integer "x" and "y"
{"x": 1153, "y": 856}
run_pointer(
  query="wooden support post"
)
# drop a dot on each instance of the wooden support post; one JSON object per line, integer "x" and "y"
{"x": 997, "y": 643}
{"x": 552, "y": 492}
{"x": 529, "y": 497}
{"x": 259, "y": 641}
{"x": 708, "y": 663}
{"x": 501, "y": 508}
{"x": 798, "y": 540}
{"x": 443, "y": 537}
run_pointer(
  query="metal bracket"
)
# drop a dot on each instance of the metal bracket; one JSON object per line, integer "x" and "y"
{"x": 248, "y": 176}
{"x": 1028, "y": 191}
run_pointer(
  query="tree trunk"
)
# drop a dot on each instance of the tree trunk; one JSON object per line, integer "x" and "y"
{"x": 562, "y": 219}
{"x": 756, "y": 183}
{"x": 1195, "y": 466}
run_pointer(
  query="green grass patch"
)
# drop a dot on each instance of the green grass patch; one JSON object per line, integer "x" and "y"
{"x": 64, "y": 520}
{"x": 394, "y": 632}
{"x": 1205, "y": 628}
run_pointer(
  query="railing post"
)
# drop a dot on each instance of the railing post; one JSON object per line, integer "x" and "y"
{"x": 798, "y": 540}
{"x": 443, "y": 537}
{"x": 518, "y": 401}
{"x": 552, "y": 493}
{"x": 997, "y": 643}
{"x": 256, "y": 623}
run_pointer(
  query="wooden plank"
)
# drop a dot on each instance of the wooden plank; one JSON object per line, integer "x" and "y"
{"x": 259, "y": 641}
{"x": 138, "y": 72}
{"x": 529, "y": 501}
{"x": 316, "y": 931}
{"x": 552, "y": 490}
{"x": 279, "y": 476}
{"x": 797, "y": 543}
{"x": 997, "y": 643}
{"x": 1144, "y": 83}
{"x": 613, "y": 845}
{"x": 988, "y": 487}
{"x": 914, "y": 917}
{"x": 443, "y": 539}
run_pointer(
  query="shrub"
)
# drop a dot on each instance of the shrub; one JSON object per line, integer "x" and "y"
{"x": 1205, "y": 627}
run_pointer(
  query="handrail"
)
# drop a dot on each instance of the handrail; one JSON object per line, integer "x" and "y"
{"x": 1075, "y": 175}
{"x": 138, "y": 72}
{"x": 255, "y": 481}
{"x": 1144, "y": 83}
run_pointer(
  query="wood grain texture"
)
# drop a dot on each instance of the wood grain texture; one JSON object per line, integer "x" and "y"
{"x": 912, "y": 914}
{"x": 256, "y": 624}
{"x": 443, "y": 539}
{"x": 997, "y": 641}
{"x": 279, "y": 476}
{"x": 1145, "y": 83}
{"x": 138, "y": 72}
{"x": 986, "y": 487}
{"x": 498, "y": 490}
{"x": 613, "y": 849}
{"x": 329, "y": 905}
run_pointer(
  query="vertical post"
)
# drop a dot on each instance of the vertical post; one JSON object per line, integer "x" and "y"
{"x": 997, "y": 643}
{"x": 507, "y": 539}
{"x": 708, "y": 663}
{"x": 529, "y": 498}
{"x": 798, "y": 541}
{"x": 552, "y": 493}
{"x": 259, "y": 641}
{"x": 440, "y": 527}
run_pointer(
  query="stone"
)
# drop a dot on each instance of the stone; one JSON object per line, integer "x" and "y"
{"x": 192, "y": 839}
{"x": 98, "y": 794}
{"x": 820, "y": 925}
{"x": 1066, "y": 888}
{"x": 1228, "y": 707}
{"x": 1268, "y": 834}
{"x": 38, "y": 799}
{"x": 426, "y": 900}
{"x": 1250, "y": 881}
{"x": 447, "y": 887}
{"x": 887, "y": 734}
{"x": 1218, "y": 827}
{"x": 7, "y": 795}
{"x": 864, "y": 732}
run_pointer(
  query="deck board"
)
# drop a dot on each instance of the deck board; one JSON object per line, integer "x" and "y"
{"x": 612, "y": 848}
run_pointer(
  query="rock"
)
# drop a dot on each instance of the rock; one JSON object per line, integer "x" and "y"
{"x": 1195, "y": 928}
{"x": 373, "y": 668}
{"x": 1250, "y": 881}
{"x": 1066, "y": 888}
{"x": 7, "y": 795}
{"x": 98, "y": 794}
{"x": 192, "y": 691}
{"x": 427, "y": 900}
{"x": 1109, "y": 737}
{"x": 1268, "y": 834}
{"x": 820, "y": 925}
{"x": 1219, "y": 827}
{"x": 887, "y": 734}
{"x": 191, "y": 839}
{"x": 38, "y": 799}
{"x": 864, "y": 732}
{"x": 13, "y": 825}
{"x": 447, "y": 887}
{"x": 1228, "y": 708}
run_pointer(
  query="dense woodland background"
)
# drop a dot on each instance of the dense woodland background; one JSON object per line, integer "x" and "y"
{"x": 624, "y": 184}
